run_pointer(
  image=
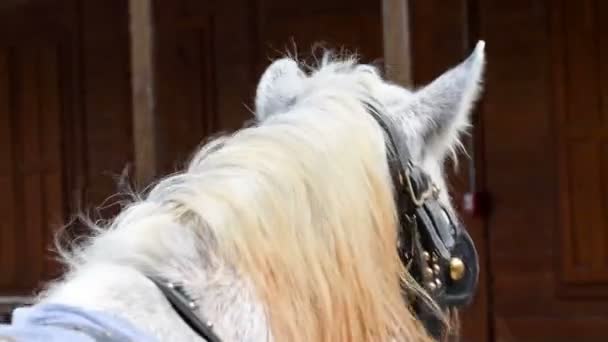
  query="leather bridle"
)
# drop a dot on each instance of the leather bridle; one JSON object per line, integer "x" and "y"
{"x": 435, "y": 247}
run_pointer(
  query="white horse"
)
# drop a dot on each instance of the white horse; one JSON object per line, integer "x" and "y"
{"x": 285, "y": 231}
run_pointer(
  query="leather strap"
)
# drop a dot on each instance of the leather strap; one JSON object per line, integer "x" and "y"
{"x": 184, "y": 307}
{"x": 430, "y": 238}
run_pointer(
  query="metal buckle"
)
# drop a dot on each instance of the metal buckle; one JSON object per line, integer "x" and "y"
{"x": 426, "y": 194}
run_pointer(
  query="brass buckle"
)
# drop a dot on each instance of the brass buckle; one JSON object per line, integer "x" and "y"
{"x": 426, "y": 194}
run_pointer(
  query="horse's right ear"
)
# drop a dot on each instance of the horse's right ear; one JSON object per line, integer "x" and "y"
{"x": 444, "y": 106}
{"x": 279, "y": 87}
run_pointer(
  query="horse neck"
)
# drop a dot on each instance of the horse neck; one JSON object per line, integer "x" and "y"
{"x": 120, "y": 286}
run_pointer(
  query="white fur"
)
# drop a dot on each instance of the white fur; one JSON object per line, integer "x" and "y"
{"x": 107, "y": 272}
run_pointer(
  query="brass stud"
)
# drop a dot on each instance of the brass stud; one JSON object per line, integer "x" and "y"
{"x": 432, "y": 286}
{"x": 435, "y": 258}
{"x": 428, "y": 272}
{"x": 436, "y": 269}
{"x": 438, "y": 282}
{"x": 457, "y": 269}
{"x": 426, "y": 256}
{"x": 436, "y": 191}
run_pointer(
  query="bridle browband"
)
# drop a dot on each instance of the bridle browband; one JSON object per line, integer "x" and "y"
{"x": 437, "y": 250}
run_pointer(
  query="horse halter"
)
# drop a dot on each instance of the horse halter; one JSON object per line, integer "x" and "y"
{"x": 436, "y": 248}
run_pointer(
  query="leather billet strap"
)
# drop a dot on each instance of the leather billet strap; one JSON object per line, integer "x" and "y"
{"x": 185, "y": 307}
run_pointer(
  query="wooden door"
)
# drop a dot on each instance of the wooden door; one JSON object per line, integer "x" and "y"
{"x": 205, "y": 73}
{"x": 540, "y": 151}
{"x": 64, "y": 125}
{"x": 35, "y": 58}
{"x": 546, "y": 159}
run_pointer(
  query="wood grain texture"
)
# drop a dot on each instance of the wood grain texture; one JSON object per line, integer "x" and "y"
{"x": 397, "y": 41}
{"x": 63, "y": 94}
{"x": 104, "y": 103}
{"x": 143, "y": 85}
{"x": 545, "y": 169}
{"x": 7, "y": 175}
{"x": 582, "y": 136}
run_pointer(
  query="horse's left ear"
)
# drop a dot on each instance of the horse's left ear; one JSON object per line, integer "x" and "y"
{"x": 444, "y": 105}
{"x": 279, "y": 87}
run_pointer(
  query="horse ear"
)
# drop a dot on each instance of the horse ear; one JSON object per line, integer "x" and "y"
{"x": 444, "y": 105}
{"x": 278, "y": 88}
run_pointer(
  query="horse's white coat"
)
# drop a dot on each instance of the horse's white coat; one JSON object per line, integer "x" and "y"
{"x": 107, "y": 273}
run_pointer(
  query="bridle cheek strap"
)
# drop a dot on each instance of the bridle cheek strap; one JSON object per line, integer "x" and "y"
{"x": 438, "y": 250}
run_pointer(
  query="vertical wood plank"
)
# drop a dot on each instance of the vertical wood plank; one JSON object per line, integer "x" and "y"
{"x": 28, "y": 102}
{"x": 585, "y": 207}
{"x": 604, "y": 204}
{"x": 7, "y": 164}
{"x": 397, "y": 49}
{"x": 584, "y": 102}
{"x": 601, "y": 13}
{"x": 142, "y": 78}
{"x": 105, "y": 87}
{"x": 51, "y": 149}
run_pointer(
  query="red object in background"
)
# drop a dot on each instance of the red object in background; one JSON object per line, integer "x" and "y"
{"x": 476, "y": 203}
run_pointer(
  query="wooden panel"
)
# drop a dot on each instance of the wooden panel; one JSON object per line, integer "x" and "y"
{"x": 582, "y": 131}
{"x": 584, "y": 245}
{"x": 539, "y": 329}
{"x": 581, "y": 67}
{"x": 355, "y": 27}
{"x": 601, "y": 22}
{"x": 520, "y": 173}
{"x": 32, "y": 59}
{"x": 105, "y": 100}
{"x": 7, "y": 177}
{"x": 33, "y": 173}
{"x": 52, "y": 156}
{"x": 27, "y": 103}
{"x": 187, "y": 88}
{"x": 547, "y": 230}
{"x": 56, "y": 109}
{"x": 210, "y": 57}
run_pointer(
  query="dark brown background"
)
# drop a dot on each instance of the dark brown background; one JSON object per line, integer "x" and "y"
{"x": 540, "y": 142}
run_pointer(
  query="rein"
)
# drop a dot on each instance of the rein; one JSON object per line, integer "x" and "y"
{"x": 437, "y": 250}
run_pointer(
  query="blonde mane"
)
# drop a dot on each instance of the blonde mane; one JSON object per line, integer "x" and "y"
{"x": 302, "y": 207}
{"x": 296, "y": 214}
{"x": 311, "y": 221}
